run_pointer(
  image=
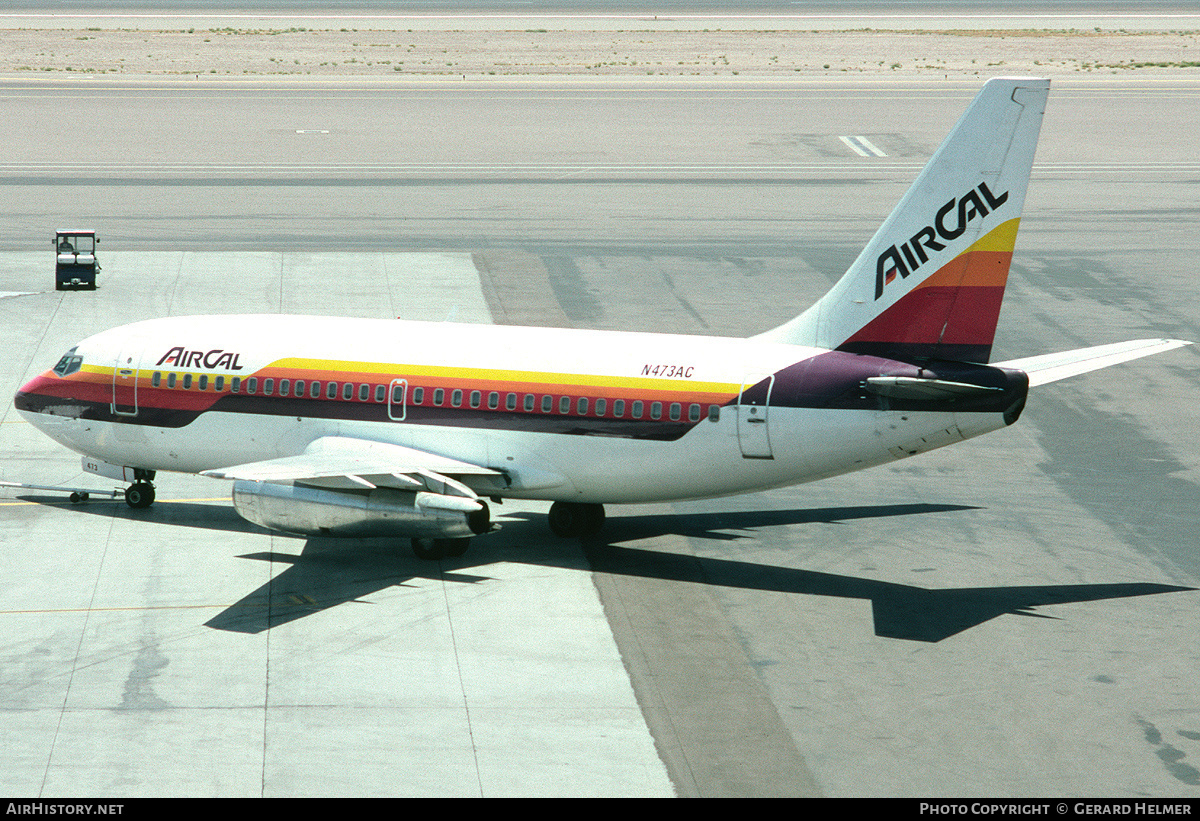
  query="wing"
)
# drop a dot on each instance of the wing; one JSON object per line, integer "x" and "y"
{"x": 341, "y": 463}
{"x": 1055, "y": 366}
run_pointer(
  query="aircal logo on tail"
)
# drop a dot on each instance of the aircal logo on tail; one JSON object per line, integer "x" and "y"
{"x": 911, "y": 255}
{"x": 180, "y": 357}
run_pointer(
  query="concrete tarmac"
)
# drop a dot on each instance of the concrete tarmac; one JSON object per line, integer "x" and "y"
{"x": 997, "y": 619}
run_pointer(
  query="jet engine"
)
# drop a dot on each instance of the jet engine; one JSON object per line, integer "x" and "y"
{"x": 381, "y": 511}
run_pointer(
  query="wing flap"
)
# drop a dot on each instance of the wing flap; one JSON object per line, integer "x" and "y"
{"x": 341, "y": 463}
{"x": 1052, "y": 367}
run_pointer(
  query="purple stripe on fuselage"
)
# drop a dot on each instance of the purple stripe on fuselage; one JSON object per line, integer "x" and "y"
{"x": 836, "y": 380}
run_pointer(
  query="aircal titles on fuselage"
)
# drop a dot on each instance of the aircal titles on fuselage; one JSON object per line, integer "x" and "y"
{"x": 215, "y": 359}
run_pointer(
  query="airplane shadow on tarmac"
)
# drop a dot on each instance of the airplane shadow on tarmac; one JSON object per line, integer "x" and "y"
{"x": 330, "y": 572}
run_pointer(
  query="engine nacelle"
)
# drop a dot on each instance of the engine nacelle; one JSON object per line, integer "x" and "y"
{"x": 383, "y": 511}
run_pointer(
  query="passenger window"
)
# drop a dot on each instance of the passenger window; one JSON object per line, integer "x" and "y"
{"x": 581, "y": 407}
{"x": 156, "y": 380}
{"x": 529, "y": 400}
{"x": 475, "y": 398}
{"x": 203, "y": 382}
{"x": 219, "y": 383}
{"x": 364, "y": 393}
{"x": 493, "y": 400}
{"x": 331, "y": 390}
{"x": 693, "y": 412}
{"x": 251, "y": 384}
{"x": 187, "y": 381}
{"x": 547, "y": 403}
{"x": 268, "y": 387}
{"x": 675, "y": 411}
{"x": 456, "y": 398}
{"x": 637, "y": 410}
{"x": 314, "y": 390}
{"x": 714, "y": 413}
{"x": 348, "y": 391}
{"x": 564, "y": 404}
{"x": 601, "y": 406}
{"x": 380, "y": 393}
{"x": 439, "y": 396}
{"x": 300, "y": 386}
{"x": 171, "y": 380}
{"x": 235, "y": 384}
{"x": 418, "y": 396}
{"x": 285, "y": 387}
{"x": 618, "y": 408}
{"x": 510, "y": 402}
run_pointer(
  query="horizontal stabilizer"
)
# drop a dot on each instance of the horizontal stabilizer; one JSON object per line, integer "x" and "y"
{"x": 912, "y": 387}
{"x": 1055, "y": 366}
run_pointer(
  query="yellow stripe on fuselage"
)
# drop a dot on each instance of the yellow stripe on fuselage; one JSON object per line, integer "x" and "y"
{"x": 499, "y": 378}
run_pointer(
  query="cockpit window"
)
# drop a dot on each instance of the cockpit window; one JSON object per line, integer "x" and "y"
{"x": 69, "y": 363}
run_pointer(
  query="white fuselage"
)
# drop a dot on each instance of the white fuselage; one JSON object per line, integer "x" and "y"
{"x": 564, "y": 414}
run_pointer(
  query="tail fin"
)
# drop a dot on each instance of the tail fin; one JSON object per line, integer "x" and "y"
{"x": 930, "y": 282}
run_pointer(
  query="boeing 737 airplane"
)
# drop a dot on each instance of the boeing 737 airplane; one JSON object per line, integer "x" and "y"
{"x": 387, "y": 427}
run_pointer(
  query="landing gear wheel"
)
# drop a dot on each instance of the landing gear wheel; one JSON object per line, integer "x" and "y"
{"x": 139, "y": 495}
{"x": 429, "y": 550}
{"x": 568, "y": 519}
{"x": 433, "y": 549}
{"x": 456, "y": 547}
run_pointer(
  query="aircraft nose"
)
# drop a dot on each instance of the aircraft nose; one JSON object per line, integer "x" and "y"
{"x": 21, "y": 400}
{"x": 31, "y": 397}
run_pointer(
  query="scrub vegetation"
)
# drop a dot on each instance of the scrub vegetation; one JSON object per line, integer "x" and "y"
{"x": 702, "y": 53}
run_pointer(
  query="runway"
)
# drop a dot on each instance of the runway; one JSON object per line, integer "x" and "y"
{"x": 995, "y": 619}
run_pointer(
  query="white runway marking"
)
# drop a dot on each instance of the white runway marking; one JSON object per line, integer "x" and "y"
{"x": 862, "y": 146}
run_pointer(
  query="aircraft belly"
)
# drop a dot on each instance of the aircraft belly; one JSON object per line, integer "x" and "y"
{"x": 202, "y": 445}
{"x": 704, "y": 463}
{"x": 808, "y": 444}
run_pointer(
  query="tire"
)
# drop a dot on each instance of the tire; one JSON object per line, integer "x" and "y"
{"x": 570, "y": 519}
{"x": 429, "y": 550}
{"x": 456, "y": 547}
{"x": 139, "y": 495}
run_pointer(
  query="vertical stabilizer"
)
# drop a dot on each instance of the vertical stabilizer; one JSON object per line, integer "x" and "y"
{"x": 930, "y": 282}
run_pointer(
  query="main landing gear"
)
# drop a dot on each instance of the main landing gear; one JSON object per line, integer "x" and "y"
{"x": 434, "y": 549}
{"x": 569, "y": 519}
{"x": 139, "y": 495}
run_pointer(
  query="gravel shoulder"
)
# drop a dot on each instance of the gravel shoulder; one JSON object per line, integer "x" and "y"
{"x": 777, "y": 53}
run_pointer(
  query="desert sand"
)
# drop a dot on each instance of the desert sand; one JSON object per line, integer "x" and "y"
{"x": 473, "y": 54}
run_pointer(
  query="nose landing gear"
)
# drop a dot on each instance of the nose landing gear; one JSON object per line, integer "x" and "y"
{"x": 139, "y": 495}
